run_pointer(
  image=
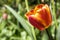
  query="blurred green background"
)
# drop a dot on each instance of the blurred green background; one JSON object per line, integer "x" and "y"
{"x": 15, "y": 26}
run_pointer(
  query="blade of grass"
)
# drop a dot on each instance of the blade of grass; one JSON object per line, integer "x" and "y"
{"x": 54, "y": 15}
{"x": 27, "y": 7}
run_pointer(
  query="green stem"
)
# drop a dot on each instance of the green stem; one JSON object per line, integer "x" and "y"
{"x": 32, "y": 29}
{"x": 56, "y": 25}
{"x": 38, "y": 1}
{"x": 17, "y": 2}
{"x": 54, "y": 15}
{"x": 27, "y": 7}
{"x": 33, "y": 33}
{"x": 49, "y": 34}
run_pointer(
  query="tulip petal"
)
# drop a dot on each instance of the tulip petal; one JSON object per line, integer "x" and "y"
{"x": 45, "y": 15}
{"x": 31, "y": 12}
{"x": 38, "y": 7}
{"x": 35, "y": 23}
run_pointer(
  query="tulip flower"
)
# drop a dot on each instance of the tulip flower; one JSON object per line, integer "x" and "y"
{"x": 40, "y": 17}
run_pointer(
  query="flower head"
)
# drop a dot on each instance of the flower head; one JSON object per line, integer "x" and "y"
{"x": 40, "y": 17}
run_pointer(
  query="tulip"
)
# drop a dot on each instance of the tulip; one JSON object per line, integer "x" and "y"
{"x": 40, "y": 17}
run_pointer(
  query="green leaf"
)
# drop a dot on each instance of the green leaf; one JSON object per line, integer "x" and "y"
{"x": 20, "y": 19}
{"x": 44, "y": 37}
{"x": 2, "y": 24}
{"x": 58, "y": 32}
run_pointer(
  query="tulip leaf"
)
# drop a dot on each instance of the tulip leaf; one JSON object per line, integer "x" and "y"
{"x": 21, "y": 20}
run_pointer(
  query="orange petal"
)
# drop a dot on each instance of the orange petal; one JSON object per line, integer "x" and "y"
{"x": 38, "y": 7}
{"x": 31, "y": 12}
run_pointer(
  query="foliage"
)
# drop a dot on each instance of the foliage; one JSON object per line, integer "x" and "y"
{"x": 16, "y": 26}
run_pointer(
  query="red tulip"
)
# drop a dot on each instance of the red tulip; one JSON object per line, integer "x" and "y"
{"x": 40, "y": 17}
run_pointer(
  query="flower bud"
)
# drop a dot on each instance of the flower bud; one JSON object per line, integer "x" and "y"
{"x": 4, "y": 16}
